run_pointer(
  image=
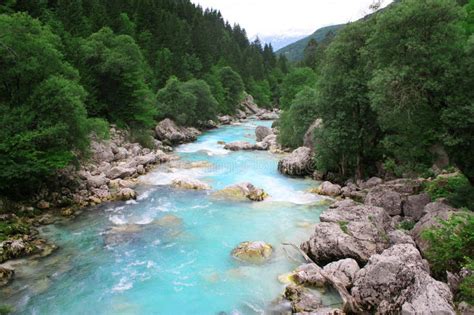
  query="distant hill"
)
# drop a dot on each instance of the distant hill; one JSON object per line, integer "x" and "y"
{"x": 295, "y": 51}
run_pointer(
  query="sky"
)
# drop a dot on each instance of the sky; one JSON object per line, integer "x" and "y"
{"x": 288, "y": 18}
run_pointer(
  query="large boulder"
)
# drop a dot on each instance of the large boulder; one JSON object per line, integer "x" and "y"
{"x": 298, "y": 163}
{"x": 303, "y": 300}
{"x": 329, "y": 189}
{"x": 386, "y": 198}
{"x": 249, "y": 106}
{"x": 242, "y": 191}
{"x": 225, "y": 120}
{"x": 255, "y": 252}
{"x": 308, "y": 140}
{"x": 432, "y": 214}
{"x": 344, "y": 270}
{"x": 398, "y": 281}
{"x": 190, "y": 183}
{"x": 120, "y": 172}
{"x": 125, "y": 194}
{"x": 310, "y": 275}
{"x": 96, "y": 181}
{"x": 240, "y": 146}
{"x": 261, "y": 132}
{"x": 356, "y": 232}
{"x": 269, "y": 116}
{"x": 102, "y": 151}
{"x": 167, "y": 130}
{"x": 414, "y": 205}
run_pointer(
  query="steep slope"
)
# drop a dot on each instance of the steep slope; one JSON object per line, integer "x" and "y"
{"x": 295, "y": 51}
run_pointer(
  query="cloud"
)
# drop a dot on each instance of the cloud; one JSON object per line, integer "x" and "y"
{"x": 291, "y": 18}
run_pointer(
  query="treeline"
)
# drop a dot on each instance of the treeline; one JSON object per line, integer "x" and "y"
{"x": 69, "y": 68}
{"x": 394, "y": 92}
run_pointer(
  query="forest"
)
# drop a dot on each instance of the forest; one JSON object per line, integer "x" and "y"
{"x": 69, "y": 68}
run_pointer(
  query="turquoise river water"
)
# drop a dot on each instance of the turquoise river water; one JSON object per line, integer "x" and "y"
{"x": 168, "y": 252}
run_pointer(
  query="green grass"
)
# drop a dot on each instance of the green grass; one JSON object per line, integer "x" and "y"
{"x": 8, "y": 229}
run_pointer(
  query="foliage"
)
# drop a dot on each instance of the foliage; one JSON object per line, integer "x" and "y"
{"x": 349, "y": 139}
{"x": 466, "y": 288}
{"x": 294, "y": 82}
{"x": 295, "y": 122}
{"x": 12, "y": 228}
{"x": 186, "y": 103}
{"x": 456, "y": 189}
{"x": 406, "y": 225}
{"x": 450, "y": 243}
{"x": 232, "y": 87}
{"x": 114, "y": 75}
{"x": 414, "y": 51}
{"x": 6, "y": 309}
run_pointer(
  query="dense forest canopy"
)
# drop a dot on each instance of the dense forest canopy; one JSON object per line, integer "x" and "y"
{"x": 68, "y": 68}
{"x": 394, "y": 92}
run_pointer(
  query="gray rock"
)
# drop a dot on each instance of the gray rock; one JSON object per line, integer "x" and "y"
{"x": 400, "y": 237}
{"x": 397, "y": 281}
{"x": 121, "y": 154}
{"x": 190, "y": 183}
{"x": 348, "y": 231}
{"x": 329, "y": 189}
{"x": 371, "y": 182}
{"x": 414, "y": 205}
{"x": 240, "y": 146}
{"x": 386, "y": 198}
{"x": 225, "y": 120}
{"x": 261, "y": 132}
{"x": 120, "y": 172}
{"x": 309, "y": 274}
{"x": 433, "y": 212}
{"x": 169, "y": 131}
{"x": 102, "y": 151}
{"x": 96, "y": 181}
{"x": 298, "y": 163}
{"x": 150, "y": 158}
{"x": 125, "y": 194}
{"x": 269, "y": 116}
{"x": 344, "y": 270}
{"x": 249, "y": 106}
{"x": 6, "y": 275}
{"x": 242, "y": 191}
{"x": 303, "y": 299}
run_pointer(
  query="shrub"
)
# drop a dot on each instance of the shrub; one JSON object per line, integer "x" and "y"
{"x": 450, "y": 243}
{"x": 456, "y": 189}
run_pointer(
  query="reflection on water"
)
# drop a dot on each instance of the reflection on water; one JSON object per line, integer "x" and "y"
{"x": 169, "y": 252}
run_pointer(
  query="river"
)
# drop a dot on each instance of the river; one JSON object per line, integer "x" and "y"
{"x": 168, "y": 252}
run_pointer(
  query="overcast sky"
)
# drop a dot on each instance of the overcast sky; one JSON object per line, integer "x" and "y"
{"x": 288, "y": 17}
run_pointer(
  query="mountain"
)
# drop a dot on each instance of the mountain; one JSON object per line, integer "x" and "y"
{"x": 280, "y": 41}
{"x": 295, "y": 51}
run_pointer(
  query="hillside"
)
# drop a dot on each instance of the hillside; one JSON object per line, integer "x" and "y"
{"x": 295, "y": 51}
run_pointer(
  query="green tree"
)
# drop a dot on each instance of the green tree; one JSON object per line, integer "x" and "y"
{"x": 348, "y": 141}
{"x": 114, "y": 72}
{"x": 206, "y": 105}
{"x": 233, "y": 88}
{"x": 295, "y": 122}
{"x": 294, "y": 82}
{"x": 415, "y": 50}
{"x": 176, "y": 103}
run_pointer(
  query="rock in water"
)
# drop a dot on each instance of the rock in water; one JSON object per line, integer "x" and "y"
{"x": 240, "y": 146}
{"x": 261, "y": 132}
{"x": 397, "y": 281}
{"x": 303, "y": 300}
{"x": 242, "y": 191}
{"x": 298, "y": 163}
{"x": 6, "y": 275}
{"x": 190, "y": 183}
{"x": 255, "y": 252}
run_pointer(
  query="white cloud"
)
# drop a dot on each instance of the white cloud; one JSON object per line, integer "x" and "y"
{"x": 290, "y": 18}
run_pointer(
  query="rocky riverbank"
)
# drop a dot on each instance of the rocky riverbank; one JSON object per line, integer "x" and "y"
{"x": 369, "y": 256}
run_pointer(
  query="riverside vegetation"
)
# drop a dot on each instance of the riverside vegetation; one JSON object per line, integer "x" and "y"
{"x": 94, "y": 93}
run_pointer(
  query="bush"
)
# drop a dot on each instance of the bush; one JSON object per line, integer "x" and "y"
{"x": 466, "y": 288}
{"x": 6, "y": 309}
{"x": 295, "y": 122}
{"x": 456, "y": 189}
{"x": 450, "y": 244}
